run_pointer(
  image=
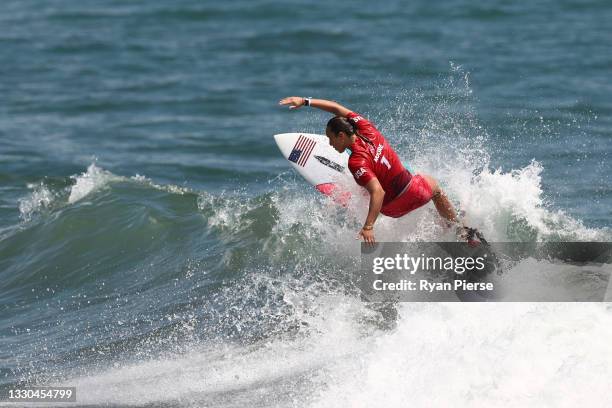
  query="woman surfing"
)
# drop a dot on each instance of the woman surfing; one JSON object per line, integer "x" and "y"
{"x": 393, "y": 190}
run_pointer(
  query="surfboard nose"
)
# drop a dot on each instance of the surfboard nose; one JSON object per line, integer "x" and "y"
{"x": 277, "y": 139}
{"x": 285, "y": 142}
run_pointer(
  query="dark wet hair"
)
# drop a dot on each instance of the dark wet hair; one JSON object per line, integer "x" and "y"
{"x": 341, "y": 124}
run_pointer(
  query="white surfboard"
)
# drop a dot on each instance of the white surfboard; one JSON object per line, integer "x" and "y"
{"x": 320, "y": 164}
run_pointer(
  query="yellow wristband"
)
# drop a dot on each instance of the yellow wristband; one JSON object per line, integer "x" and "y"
{"x": 368, "y": 227}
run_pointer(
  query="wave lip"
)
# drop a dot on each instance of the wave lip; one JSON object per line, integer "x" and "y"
{"x": 91, "y": 180}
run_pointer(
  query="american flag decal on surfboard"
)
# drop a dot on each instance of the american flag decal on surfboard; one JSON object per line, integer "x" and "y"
{"x": 301, "y": 151}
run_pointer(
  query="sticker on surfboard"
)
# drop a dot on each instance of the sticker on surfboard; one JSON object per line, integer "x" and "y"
{"x": 301, "y": 150}
{"x": 321, "y": 165}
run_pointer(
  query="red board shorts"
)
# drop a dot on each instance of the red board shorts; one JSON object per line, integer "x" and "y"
{"x": 417, "y": 194}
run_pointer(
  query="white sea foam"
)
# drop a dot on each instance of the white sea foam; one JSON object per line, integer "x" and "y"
{"x": 499, "y": 202}
{"x": 91, "y": 180}
{"x": 170, "y": 188}
{"x": 95, "y": 178}
{"x": 464, "y": 355}
{"x": 275, "y": 373}
{"x": 482, "y": 355}
{"x": 40, "y": 198}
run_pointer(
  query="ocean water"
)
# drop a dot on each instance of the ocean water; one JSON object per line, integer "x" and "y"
{"x": 157, "y": 250}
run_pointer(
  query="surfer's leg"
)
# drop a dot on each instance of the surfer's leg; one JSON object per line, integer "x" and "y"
{"x": 443, "y": 205}
{"x": 447, "y": 210}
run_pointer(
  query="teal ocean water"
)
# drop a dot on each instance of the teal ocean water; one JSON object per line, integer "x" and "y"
{"x": 157, "y": 250}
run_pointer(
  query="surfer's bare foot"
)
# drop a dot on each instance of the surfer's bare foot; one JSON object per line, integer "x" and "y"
{"x": 471, "y": 235}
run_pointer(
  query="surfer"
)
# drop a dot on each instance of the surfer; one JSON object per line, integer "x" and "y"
{"x": 394, "y": 191}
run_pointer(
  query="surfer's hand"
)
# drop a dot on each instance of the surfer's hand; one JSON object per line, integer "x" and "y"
{"x": 294, "y": 102}
{"x": 368, "y": 236}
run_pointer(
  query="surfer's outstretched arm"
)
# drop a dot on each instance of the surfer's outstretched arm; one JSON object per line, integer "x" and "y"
{"x": 332, "y": 107}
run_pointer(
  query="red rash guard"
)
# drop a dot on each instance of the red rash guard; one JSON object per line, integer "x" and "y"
{"x": 376, "y": 159}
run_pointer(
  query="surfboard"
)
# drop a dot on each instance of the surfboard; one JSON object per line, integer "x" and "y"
{"x": 318, "y": 162}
